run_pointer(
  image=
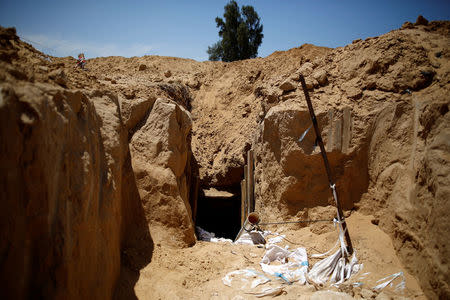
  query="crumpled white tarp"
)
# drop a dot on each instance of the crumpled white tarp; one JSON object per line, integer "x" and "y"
{"x": 294, "y": 264}
{"x": 221, "y": 240}
{"x": 207, "y": 236}
{"x": 335, "y": 268}
{"x": 277, "y": 239}
{"x": 246, "y": 238}
{"x": 247, "y": 278}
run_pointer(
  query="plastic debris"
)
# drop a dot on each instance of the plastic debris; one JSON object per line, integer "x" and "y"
{"x": 304, "y": 134}
{"x": 207, "y": 236}
{"x": 389, "y": 279}
{"x": 275, "y": 253}
{"x": 293, "y": 267}
{"x": 335, "y": 267}
{"x": 221, "y": 240}
{"x": 246, "y": 237}
{"x": 244, "y": 278}
{"x": 364, "y": 275}
{"x": 283, "y": 277}
{"x": 269, "y": 292}
{"x": 360, "y": 278}
{"x": 276, "y": 240}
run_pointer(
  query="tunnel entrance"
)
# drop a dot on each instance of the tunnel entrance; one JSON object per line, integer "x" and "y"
{"x": 219, "y": 211}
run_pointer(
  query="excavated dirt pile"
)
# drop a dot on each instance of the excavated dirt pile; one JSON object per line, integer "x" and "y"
{"x": 106, "y": 171}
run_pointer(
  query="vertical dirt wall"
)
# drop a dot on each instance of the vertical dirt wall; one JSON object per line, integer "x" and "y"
{"x": 410, "y": 178}
{"x": 290, "y": 175}
{"x": 160, "y": 153}
{"x": 61, "y": 186}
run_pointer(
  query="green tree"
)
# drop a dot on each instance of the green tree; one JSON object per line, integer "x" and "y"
{"x": 215, "y": 51}
{"x": 241, "y": 34}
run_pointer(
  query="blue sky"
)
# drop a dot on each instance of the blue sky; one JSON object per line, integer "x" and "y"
{"x": 187, "y": 28}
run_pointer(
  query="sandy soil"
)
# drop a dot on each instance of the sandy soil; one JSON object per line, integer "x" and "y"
{"x": 197, "y": 272}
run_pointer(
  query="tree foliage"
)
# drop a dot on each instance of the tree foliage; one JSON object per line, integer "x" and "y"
{"x": 241, "y": 34}
{"x": 215, "y": 51}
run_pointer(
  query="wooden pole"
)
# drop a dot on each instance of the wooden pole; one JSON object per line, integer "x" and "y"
{"x": 243, "y": 202}
{"x": 246, "y": 190}
{"x": 250, "y": 183}
{"x": 340, "y": 215}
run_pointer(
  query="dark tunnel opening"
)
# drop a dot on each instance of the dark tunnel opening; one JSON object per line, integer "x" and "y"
{"x": 219, "y": 211}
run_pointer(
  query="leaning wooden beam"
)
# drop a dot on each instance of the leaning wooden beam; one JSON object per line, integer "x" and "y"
{"x": 319, "y": 140}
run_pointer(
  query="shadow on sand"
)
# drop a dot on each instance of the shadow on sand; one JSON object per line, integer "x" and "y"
{"x": 137, "y": 244}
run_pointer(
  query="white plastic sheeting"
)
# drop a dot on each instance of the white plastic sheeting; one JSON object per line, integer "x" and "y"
{"x": 293, "y": 267}
{"x": 388, "y": 281}
{"x": 245, "y": 279}
{"x": 335, "y": 268}
{"x": 221, "y": 240}
{"x": 268, "y": 292}
{"x": 277, "y": 239}
{"x": 247, "y": 239}
{"x": 207, "y": 236}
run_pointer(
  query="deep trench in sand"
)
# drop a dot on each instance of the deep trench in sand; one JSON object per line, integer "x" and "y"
{"x": 219, "y": 211}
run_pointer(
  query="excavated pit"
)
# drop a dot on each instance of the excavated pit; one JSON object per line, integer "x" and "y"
{"x": 387, "y": 141}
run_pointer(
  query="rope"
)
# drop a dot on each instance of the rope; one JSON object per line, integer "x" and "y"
{"x": 293, "y": 222}
{"x": 289, "y": 241}
{"x": 277, "y": 223}
{"x": 284, "y": 238}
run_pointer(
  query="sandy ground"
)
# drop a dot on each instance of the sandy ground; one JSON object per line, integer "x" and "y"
{"x": 197, "y": 272}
